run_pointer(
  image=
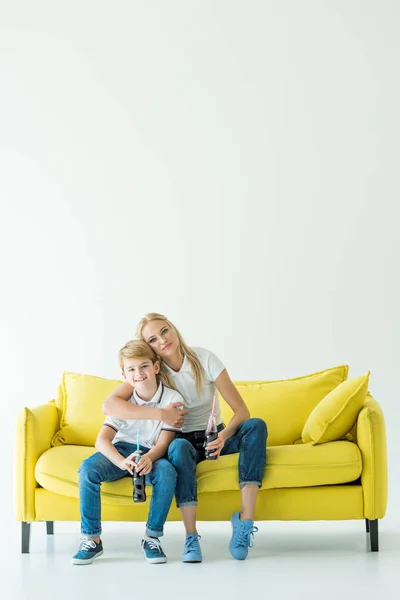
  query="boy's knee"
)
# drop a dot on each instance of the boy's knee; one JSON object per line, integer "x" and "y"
{"x": 165, "y": 472}
{"x": 87, "y": 471}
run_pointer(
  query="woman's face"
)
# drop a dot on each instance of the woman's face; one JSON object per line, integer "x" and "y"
{"x": 161, "y": 337}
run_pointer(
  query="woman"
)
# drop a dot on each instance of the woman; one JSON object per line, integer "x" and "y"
{"x": 196, "y": 373}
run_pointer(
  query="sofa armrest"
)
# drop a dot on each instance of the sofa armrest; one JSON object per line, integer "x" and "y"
{"x": 35, "y": 429}
{"x": 371, "y": 440}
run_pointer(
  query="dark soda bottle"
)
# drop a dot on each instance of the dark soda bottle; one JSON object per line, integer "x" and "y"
{"x": 139, "y": 486}
{"x": 211, "y": 435}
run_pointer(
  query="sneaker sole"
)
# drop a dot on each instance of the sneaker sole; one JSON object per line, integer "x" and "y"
{"x": 191, "y": 561}
{"x": 156, "y": 561}
{"x": 86, "y": 561}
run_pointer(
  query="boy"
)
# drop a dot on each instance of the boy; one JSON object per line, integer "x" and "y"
{"x": 115, "y": 459}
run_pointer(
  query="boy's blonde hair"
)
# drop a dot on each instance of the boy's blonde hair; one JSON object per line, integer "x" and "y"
{"x": 138, "y": 349}
{"x": 184, "y": 350}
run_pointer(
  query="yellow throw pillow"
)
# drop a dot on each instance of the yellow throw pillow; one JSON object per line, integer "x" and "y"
{"x": 336, "y": 414}
{"x": 81, "y": 397}
{"x": 285, "y": 405}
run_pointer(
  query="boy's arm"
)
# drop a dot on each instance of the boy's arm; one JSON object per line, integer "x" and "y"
{"x": 158, "y": 451}
{"x": 117, "y": 405}
{"x": 104, "y": 445}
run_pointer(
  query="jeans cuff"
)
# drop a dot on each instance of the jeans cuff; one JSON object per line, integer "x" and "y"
{"x": 243, "y": 483}
{"x": 154, "y": 532}
{"x": 91, "y": 533}
{"x": 183, "y": 504}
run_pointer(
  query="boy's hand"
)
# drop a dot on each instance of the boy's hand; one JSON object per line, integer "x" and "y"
{"x": 144, "y": 466}
{"x": 128, "y": 463}
{"x": 174, "y": 416}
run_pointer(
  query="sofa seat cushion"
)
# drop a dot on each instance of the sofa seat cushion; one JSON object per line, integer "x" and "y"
{"x": 300, "y": 465}
{"x": 57, "y": 471}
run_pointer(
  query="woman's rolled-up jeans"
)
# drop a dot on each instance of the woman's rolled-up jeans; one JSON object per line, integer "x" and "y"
{"x": 187, "y": 449}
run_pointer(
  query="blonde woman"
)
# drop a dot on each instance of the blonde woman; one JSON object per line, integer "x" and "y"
{"x": 195, "y": 373}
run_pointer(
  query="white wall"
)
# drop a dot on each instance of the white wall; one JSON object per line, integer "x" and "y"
{"x": 231, "y": 164}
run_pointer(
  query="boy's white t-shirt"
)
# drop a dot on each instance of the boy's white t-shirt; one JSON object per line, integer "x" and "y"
{"x": 198, "y": 405}
{"x": 149, "y": 429}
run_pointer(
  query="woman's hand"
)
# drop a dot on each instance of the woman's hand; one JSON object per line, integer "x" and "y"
{"x": 174, "y": 414}
{"x": 216, "y": 445}
{"x": 144, "y": 466}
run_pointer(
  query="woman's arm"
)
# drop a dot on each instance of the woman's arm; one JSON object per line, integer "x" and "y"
{"x": 230, "y": 394}
{"x": 240, "y": 411}
{"x": 117, "y": 405}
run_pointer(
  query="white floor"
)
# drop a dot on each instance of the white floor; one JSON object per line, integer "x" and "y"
{"x": 289, "y": 560}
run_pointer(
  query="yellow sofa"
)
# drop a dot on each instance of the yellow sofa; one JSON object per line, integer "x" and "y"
{"x": 338, "y": 480}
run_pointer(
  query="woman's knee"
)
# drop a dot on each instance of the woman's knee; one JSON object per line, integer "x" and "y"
{"x": 256, "y": 426}
{"x": 181, "y": 451}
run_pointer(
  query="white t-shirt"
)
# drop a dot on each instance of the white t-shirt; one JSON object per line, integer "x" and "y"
{"x": 199, "y": 406}
{"x": 149, "y": 429}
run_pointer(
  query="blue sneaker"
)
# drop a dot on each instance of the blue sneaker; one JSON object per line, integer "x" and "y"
{"x": 88, "y": 551}
{"x": 192, "y": 550}
{"x": 152, "y": 550}
{"x": 242, "y": 536}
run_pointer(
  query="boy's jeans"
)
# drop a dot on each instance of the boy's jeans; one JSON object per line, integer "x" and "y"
{"x": 250, "y": 440}
{"x": 97, "y": 468}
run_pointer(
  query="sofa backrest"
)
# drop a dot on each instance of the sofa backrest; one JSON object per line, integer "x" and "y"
{"x": 284, "y": 405}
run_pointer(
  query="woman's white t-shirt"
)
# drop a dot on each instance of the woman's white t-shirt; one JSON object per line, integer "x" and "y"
{"x": 198, "y": 405}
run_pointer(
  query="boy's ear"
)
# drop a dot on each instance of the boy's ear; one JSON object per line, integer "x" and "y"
{"x": 123, "y": 374}
{"x": 157, "y": 367}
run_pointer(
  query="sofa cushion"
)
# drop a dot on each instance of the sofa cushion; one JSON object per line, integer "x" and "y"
{"x": 285, "y": 405}
{"x": 57, "y": 471}
{"x": 81, "y": 397}
{"x": 287, "y": 467}
{"x": 336, "y": 414}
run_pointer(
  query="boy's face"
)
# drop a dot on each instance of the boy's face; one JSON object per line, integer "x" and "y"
{"x": 141, "y": 373}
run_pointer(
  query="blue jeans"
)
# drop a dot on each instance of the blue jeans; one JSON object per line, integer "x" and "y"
{"x": 97, "y": 468}
{"x": 250, "y": 440}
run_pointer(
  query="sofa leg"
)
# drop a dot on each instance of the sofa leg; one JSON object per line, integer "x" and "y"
{"x": 374, "y": 535}
{"x": 25, "y": 537}
{"x": 50, "y": 527}
{"x": 367, "y": 525}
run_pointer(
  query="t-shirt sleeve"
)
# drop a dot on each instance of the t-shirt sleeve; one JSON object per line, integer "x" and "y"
{"x": 214, "y": 366}
{"x": 176, "y": 397}
{"x": 114, "y": 423}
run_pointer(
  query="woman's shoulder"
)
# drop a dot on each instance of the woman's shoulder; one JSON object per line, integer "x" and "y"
{"x": 209, "y": 361}
{"x": 202, "y": 353}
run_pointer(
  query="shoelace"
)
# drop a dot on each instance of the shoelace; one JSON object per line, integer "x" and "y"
{"x": 87, "y": 545}
{"x": 192, "y": 543}
{"x": 246, "y": 537}
{"x": 154, "y": 544}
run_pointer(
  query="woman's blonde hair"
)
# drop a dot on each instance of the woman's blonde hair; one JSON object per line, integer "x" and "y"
{"x": 184, "y": 350}
{"x": 140, "y": 350}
